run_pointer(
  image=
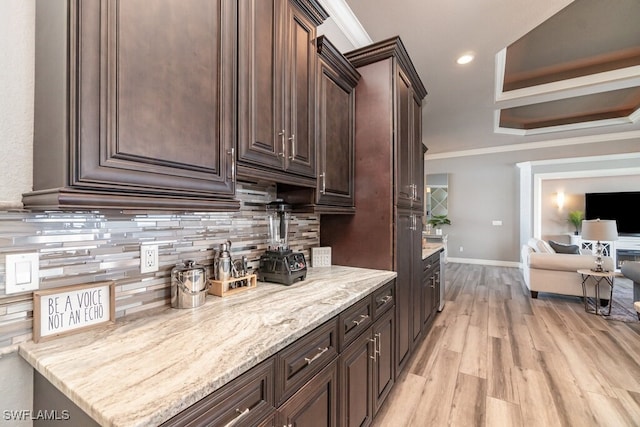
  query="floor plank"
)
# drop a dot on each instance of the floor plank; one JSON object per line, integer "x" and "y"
{"x": 496, "y": 357}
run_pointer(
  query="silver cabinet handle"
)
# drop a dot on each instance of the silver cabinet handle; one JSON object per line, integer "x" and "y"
{"x": 282, "y": 135}
{"x": 232, "y": 153}
{"x": 241, "y": 414}
{"x": 375, "y": 346}
{"x": 292, "y": 138}
{"x": 322, "y": 351}
{"x": 363, "y": 317}
{"x": 323, "y": 189}
{"x": 378, "y": 338}
{"x": 386, "y": 299}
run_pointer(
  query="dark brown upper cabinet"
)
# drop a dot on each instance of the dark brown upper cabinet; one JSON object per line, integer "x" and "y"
{"x": 276, "y": 90}
{"x": 336, "y": 127}
{"x": 135, "y": 105}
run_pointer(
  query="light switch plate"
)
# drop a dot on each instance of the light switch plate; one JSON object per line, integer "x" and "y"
{"x": 321, "y": 257}
{"x": 22, "y": 272}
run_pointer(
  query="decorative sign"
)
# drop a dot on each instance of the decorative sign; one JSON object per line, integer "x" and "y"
{"x": 66, "y": 310}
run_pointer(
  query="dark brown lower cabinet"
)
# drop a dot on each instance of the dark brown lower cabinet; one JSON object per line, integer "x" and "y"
{"x": 247, "y": 400}
{"x": 430, "y": 297}
{"x": 367, "y": 373}
{"x": 315, "y": 404}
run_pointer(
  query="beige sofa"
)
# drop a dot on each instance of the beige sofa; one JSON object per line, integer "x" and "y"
{"x": 545, "y": 270}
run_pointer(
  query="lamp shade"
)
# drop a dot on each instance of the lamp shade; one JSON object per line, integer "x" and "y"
{"x": 599, "y": 229}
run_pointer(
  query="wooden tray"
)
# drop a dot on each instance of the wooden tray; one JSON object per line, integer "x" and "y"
{"x": 225, "y": 288}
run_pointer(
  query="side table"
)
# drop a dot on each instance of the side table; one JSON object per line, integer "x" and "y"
{"x": 598, "y": 277}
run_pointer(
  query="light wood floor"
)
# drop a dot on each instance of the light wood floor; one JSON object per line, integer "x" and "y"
{"x": 496, "y": 357}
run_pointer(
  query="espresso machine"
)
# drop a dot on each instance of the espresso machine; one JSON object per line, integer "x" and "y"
{"x": 279, "y": 264}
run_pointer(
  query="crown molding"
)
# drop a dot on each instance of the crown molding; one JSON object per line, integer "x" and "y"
{"x": 554, "y": 143}
{"x": 347, "y": 22}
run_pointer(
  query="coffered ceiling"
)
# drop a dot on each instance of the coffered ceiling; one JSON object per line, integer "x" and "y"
{"x": 543, "y": 70}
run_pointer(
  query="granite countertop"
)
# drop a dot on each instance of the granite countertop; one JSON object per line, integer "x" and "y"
{"x": 142, "y": 371}
{"x": 429, "y": 249}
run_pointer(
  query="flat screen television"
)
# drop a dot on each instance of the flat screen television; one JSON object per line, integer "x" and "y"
{"x": 621, "y": 206}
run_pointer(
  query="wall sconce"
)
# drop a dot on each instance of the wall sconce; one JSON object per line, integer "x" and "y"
{"x": 560, "y": 199}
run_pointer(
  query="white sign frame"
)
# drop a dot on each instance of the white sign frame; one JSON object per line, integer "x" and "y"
{"x": 70, "y": 309}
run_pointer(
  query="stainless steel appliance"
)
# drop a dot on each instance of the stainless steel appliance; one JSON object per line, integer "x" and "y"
{"x": 279, "y": 264}
{"x": 188, "y": 285}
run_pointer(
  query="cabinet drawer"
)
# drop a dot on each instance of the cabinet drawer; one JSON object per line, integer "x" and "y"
{"x": 249, "y": 399}
{"x": 383, "y": 299}
{"x": 355, "y": 320}
{"x": 300, "y": 361}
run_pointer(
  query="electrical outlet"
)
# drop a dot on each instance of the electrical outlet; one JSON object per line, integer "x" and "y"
{"x": 148, "y": 258}
{"x": 321, "y": 257}
{"x": 461, "y": 249}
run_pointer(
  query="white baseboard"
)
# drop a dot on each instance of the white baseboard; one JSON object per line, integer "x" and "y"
{"x": 485, "y": 262}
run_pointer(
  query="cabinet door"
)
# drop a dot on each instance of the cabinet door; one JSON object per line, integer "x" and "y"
{"x": 404, "y": 306}
{"x": 383, "y": 374}
{"x": 418, "y": 154}
{"x": 315, "y": 404}
{"x": 276, "y": 87}
{"x": 299, "y": 95}
{"x": 427, "y": 293}
{"x": 261, "y": 137}
{"x": 247, "y": 400}
{"x": 356, "y": 382}
{"x": 336, "y": 122}
{"x": 403, "y": 141}
{"x": 155, "y": 116}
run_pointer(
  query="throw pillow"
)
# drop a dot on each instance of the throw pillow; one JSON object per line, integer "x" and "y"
{"x": 540, "y": 246}
{"x": 563, "y": 248}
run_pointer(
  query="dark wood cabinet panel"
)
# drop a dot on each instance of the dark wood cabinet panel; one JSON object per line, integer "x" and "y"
{"x": 247, "y": 400}
{"x": 356, "y": 382}
{"x": 404, "y": 139}
{"x": 337, "y": 80}
{"x": 354, "y": 321}
{"x": 316, "y": 403}
{"x": 138, "y": 124}
{"x": 276, "y": 88}
{"x": 404, "y": 288}
{"x": 384, "y": 299}
{"x": 298, "y": 362}
{"x": 383, "y": 331}
{"x": 367, "y": 370}
{"x": 430, "y": 288}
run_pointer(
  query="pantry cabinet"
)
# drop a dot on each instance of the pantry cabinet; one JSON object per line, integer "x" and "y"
{"x": 276, "y": 89}
{"x": 385, "y": 231}
{"x": 123, "y": 123}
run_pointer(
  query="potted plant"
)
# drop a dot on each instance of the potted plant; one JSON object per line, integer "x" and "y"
{"x": 438, "y": 220}
{"x": 575, "y": 218}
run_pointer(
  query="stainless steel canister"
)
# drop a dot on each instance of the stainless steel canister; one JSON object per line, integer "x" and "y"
{"x": 188, "y": 285}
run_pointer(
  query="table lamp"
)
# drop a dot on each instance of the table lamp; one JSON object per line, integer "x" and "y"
{"x": 604, "y": 230}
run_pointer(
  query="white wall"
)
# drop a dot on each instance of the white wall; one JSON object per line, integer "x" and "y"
{"x": 17, "y": 34}
{"x": 554, "y": 220}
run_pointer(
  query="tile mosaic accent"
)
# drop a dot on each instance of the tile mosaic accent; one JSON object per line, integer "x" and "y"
{"x": 88, "y": 247}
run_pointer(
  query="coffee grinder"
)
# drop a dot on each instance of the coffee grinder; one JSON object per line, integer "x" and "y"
{"x": 279, "y": 264}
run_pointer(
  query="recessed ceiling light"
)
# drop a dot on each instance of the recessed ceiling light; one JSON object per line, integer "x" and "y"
{"x": 465, "y": 59}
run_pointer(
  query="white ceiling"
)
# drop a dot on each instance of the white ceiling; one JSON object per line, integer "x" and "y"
{"x": 460, "y": 108}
